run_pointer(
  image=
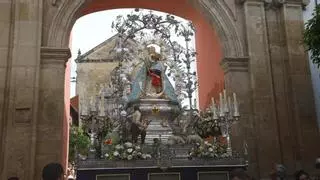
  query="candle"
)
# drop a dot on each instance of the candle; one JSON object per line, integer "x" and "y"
{"x": 221, "y": 114}
{"x": 214, "y": 109}
{"x": 212, "y": 101}
{"x": 92, "y": 104}
{"x": 101, "y": 108}
{"x": 229, "y": 103}
{"x": 226, "y": 107}
{"x": 235, "y": 104}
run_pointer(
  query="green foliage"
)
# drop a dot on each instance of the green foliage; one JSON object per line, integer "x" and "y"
{"x": 312, "y": 36}
{"x": 79, "y": 142}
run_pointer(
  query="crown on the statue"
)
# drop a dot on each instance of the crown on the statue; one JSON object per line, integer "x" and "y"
{"x": 153, "y": 53}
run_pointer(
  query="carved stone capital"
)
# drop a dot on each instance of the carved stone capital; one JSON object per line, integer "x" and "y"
{"x": 305, "y": 3}
{"x": 51, "y": 55}
{"x": 231, "y": 64}
{"x": 274, "y": 4}
{"x": 240, "y": 1}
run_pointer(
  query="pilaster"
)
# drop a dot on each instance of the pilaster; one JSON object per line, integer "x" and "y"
{"x": 6, "y": 26}
{"x": 237, "y": 79}
{"x": 263, "y": 102}
{"x": 50, "y": 146}
{"x": 303, "y": 119}
{"x": 22, "y": 34}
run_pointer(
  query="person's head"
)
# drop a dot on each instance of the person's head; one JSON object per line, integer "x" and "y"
{"x": 239, "y": 174}
{"x": 302, "y": 175}
{"x": 13, "y": 178}
{"x": 318, "y": 163}
{"x": 279, "y": 172}
{"x": 53, "y": 171}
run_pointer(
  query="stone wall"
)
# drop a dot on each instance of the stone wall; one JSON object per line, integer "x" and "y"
{"x": 90, "y": 77}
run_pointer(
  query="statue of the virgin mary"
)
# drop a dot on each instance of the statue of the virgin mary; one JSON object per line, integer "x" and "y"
{"x": 150, "y": 80}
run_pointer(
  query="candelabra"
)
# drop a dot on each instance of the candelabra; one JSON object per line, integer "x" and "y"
{"x": 225, "y": 114}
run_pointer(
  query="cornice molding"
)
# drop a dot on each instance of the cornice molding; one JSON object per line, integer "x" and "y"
{"x": 52, "y": 55}
{"x": 275, "y": 4}
{"x": 235, "y": 64}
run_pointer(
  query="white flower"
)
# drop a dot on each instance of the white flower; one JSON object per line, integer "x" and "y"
{"x": 144, "y": 156}
{"x": 134, "y": 153}
{"x": 106, "y": 155}
{"x": 139, "y": 154}
{"x": 118, "y": 147}
{"x": 128, "y": 144}
{"x": 148, "y": 156}
{"x": 129, "y": 157}
{"x": 129, "y": 150}
{"x": 137, "y": 147}
{"x": 116, "y": 153}
{"x": 210, "y": 149}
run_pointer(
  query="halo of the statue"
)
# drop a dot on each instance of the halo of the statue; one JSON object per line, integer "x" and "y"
{"x": 135, "y": 23}
{"x": 163, "y": 47}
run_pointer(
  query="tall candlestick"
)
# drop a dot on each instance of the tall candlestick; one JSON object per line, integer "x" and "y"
{"x": 221, "y": 108}
{"x": 235, "y": 104}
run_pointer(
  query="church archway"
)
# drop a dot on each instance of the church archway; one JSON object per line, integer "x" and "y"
{"x": 216, "y": 34}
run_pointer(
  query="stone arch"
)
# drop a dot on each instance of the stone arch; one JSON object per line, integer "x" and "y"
{"x": 216, "y": 12}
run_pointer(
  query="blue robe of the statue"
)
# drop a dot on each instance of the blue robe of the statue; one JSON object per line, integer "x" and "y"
{"x": 141, "y": 76}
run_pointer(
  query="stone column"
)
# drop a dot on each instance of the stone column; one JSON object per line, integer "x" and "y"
{"x": 5, "y": 37}
{"x": 237, "y": 80}
{"x": 303, "y": 122}
{"x": 20, "y": 38}
{"x": 275, "y": 39}
{"x": 268, "y": 146}
{"x": 282, "y": 98}
{"x": 50, "y": 146}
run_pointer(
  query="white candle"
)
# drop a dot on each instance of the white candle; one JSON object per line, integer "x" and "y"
{"x": 221, "y": 114}
{"x": 92, "y": 104}
{"x": 101, "y": 108}
{"x": 225, "y": 101}
{"x": 229, "y": 103}
{"x": 235, "y": 104}
{"x": 214, "y": 109}
{"x": 212, "y": 101}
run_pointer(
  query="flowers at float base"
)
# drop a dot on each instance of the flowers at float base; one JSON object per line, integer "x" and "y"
{"x": 126, "y": 151}
{"x": 209, "y": 150}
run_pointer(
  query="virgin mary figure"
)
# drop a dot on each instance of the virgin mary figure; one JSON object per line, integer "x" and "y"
{"x": 150, "y": 80}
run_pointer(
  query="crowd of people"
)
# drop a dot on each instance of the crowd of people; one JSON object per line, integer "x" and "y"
{"x": 55, "y": 171}
{"x": 279, "y": 173}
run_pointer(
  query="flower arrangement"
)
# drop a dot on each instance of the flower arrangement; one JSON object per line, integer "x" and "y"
{"x": 126, "y": 151}
{"x": 79, "y": 143}
{"x": 208, "y": 150}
